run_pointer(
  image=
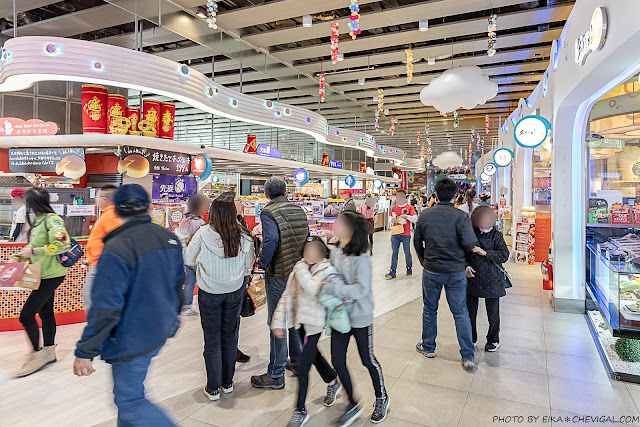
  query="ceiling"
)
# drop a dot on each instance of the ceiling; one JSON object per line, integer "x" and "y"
{"x": 262, "y": 49}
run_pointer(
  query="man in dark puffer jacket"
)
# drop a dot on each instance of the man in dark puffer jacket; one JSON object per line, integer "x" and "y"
{"x": 136, "y": 299}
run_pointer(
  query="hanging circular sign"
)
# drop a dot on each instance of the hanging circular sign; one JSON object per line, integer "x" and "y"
{"x": 503, "y": 157}
{"x": 350, "y": 181}
{"x": 215, "y": 179}
{"x": 636, "y": 169}
{"x": 201, "y": 166}
{"x": 484, "y": 177}
{"x": 377, "y": 184}
{"x": 531, "y": 131}
{"x": 301, "y": 176}
{"x": 490, "y": 169}
{"x": 503, "y": 191}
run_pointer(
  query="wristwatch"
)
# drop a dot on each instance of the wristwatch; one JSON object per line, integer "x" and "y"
{"x": 34, "y": 251}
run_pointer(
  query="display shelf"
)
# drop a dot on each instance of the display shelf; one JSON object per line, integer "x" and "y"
{"x": 607, "y": 225}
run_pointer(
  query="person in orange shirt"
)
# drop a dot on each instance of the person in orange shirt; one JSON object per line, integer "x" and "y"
{"x": 107, "y": 222}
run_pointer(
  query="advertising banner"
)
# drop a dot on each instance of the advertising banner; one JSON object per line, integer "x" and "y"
{"x": 177, "y": 188}
{"x": 138, "y": 162}
{"x": 62, "y": 161}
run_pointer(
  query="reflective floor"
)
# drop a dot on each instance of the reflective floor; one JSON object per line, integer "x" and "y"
{"x": 547, "y": 365}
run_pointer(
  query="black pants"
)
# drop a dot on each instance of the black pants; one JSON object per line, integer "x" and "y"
{"x": 218, "y": 316}
{"x": 364, "y": 341}
{"x": 311, "y": 356}
{"x": 372, "y": 229}
{"x": 40, "y": 302}
{"x": 493, "y": 313}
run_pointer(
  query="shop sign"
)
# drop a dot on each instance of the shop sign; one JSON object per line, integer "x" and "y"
{"x": 350, "y": 181}
{"x": 158, "y": 162}
{"x": 457, "y": 176}
{"x": 503, "y": 157}
{"x": 177, "y": 188}
{"x": 63, "y": 161}
{"x": 636, "y": 169}
{"x": 201, "y": 166}
{"x": 301, "y": 176}
{"x": 10, "y": 126}
{"x": 335, "y": 164}
{"x": 81, "y": 210}
{"x": 594, "y": 38}
{"x": 250, "y": 146}
{"x": 531, "y": 131}
{"x": 490, "y": 169}
{"x": 377, "y": 184}
{"x": 268, "y": 151}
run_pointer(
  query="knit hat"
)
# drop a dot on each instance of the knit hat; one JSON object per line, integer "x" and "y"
{"x": 18, "y": 192}
{"x": 131, "y": 192}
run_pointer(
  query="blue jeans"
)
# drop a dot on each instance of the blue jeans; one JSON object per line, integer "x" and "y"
{"x": 219, "y": 316}
{"x": 396, "y": 239}
{"x": 278, "y": 346}
{"x": 189, "y": 285}
{"x": 128, "y": 393}
{"x": 455, "y": 287}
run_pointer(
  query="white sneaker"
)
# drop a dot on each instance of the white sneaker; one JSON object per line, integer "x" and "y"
{"x": 188, "y": 312}
{"x": 227, "y": 389}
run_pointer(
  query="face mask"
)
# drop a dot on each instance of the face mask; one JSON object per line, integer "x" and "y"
{"x": 486, "y": 230}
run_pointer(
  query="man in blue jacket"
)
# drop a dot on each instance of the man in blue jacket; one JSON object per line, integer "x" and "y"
{"x": 136, "y": 300}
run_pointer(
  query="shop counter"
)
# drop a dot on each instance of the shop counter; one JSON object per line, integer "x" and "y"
{"x": 68, "y": 302}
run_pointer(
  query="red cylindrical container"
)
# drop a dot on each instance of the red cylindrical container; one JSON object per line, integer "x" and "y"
{"x": 133, "y": 114}
{"x": 116, "y": 107}
{"x": 94, "y": 109}
{"x": 151, "y": 115}
{"x": 167, "y": 119}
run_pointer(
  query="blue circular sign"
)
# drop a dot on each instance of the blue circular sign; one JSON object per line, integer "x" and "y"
{"x": 350, "y": 181}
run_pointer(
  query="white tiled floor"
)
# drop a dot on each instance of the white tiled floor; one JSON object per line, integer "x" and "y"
{"x": 547, "y": 365}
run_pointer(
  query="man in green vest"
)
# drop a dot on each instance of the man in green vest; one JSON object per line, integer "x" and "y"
{"x": 284, "y": 230}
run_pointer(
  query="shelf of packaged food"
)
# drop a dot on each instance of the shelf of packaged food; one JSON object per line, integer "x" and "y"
{"x": 607, "y": 225}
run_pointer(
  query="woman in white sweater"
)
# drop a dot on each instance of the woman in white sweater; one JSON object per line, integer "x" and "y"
{"x": 222, "y": 251}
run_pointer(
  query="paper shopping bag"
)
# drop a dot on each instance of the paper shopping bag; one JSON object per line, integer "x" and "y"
{"x": 31, "y": 277}
{"x": 397, "y": 229}
{"x": 10, "y": 273}
{"x": 258, "y": 293}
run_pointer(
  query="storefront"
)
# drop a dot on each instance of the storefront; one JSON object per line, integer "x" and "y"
{"x": 587, "y": 95}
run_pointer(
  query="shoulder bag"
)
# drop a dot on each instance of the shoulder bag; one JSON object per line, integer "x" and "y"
{"x": 507, "y": 279}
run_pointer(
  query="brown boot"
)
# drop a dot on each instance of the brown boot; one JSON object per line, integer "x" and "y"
{"x": 50, "y": 353}
{"x": 37, "y": 360}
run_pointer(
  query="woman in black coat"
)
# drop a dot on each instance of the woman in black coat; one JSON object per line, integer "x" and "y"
{"x": 484, "y": 278}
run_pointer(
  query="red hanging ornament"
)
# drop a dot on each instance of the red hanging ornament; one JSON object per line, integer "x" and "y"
{"x": 321, "y": 87}
{"x": 335, "y": 34}
{"x": 486, "y": 123}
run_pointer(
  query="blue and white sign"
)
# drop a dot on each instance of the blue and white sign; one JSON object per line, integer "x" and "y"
{"x": 502, "y": 157}
{"x": 531, "y": 131}
{"x": 377, "y": 184}
{"x": 490, "y": 169}
{"x": 335, "y": 164}
{"x": 268, "y": 151}
{"x": 350, "y": 181}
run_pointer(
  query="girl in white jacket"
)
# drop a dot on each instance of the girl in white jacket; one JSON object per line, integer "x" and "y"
{"x": 299, "y": 305}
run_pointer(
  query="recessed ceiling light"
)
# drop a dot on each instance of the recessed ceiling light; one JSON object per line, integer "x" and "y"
{"x": 361, "y": 82}
{"x": 431, "y": 60}
{"x": 340, "y": 57}
{"x": 307, "y": 21}
{"x": 424, "y": 25}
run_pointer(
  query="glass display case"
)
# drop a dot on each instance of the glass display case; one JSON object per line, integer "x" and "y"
{"x": 613, "y": 277}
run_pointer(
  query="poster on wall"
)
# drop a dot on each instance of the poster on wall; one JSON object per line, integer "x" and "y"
{"x": 176, "y": 188}
{"x": 68, "y": 162}
{"x": 598, "y": 211}
{"x": 138, "y": 162}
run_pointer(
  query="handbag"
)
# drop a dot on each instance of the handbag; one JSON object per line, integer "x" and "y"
{"x": 507, "y": 279}
{"x": 75, "y": 252}
{"x": 248, "y": 309}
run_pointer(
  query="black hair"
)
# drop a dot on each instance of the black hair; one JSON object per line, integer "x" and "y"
{"x": 130, "y": 208}
{"x": 108, "y": 191}
{"x": 470, "y": 194}
{"x": 359, "y": 243}
{"x": 37, "y": 200}
{"x": 445, "y": 189}
{"x": 401, "y": 190}
{"x": 318, "y": 239}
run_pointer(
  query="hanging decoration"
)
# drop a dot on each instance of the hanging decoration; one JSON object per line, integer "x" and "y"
{"x": 380, "y": 106}
{"x": 335, "y": 33}
{"x": 212, "y": 11}
{"x": 455, "y": 119}
{"x": 354, "y": 29}
{"x": 321, "y": 87}
{"x": 470, "y": 151}
{"x": 409, "y": 53}
{"x": 482, "y": 143}
{"x": 393, "y": 126}
{"x": 418, "y": 139}
{"x": 478, "y": 140}
{"x": 491, "y": 32}
{"x": 486, "y": 123}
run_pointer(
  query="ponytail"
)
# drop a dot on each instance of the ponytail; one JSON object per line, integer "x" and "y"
{"x": 471, "y": 193}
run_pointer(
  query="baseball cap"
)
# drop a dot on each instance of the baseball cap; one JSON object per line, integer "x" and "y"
{"x": 131, "y": 196}
{"x": 18, "y": 192}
